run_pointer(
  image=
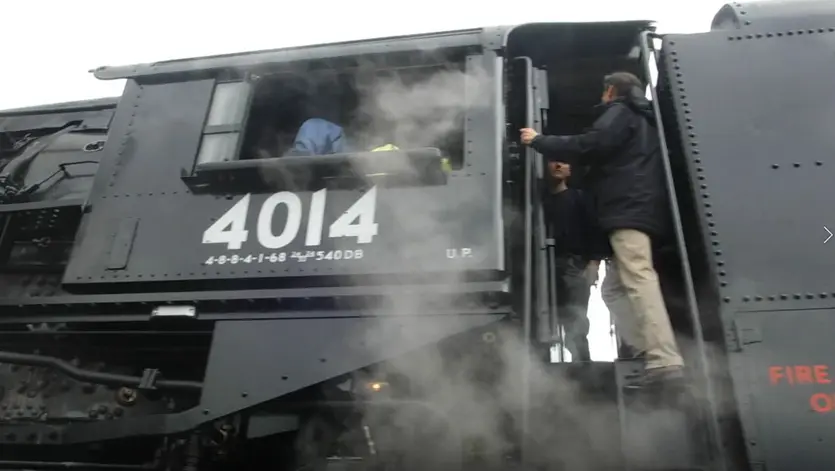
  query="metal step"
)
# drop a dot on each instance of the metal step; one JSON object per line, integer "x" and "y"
{"x": 660, "y": 430}
{"x": 347, "y": 464}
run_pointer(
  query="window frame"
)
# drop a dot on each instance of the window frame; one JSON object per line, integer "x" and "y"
{"x": 236, "y": 128}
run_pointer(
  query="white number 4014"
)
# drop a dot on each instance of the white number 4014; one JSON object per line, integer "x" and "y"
{"x": 357, "y": 221}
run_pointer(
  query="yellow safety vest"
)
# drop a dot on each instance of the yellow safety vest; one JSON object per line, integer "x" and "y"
{"x": 385, "y": 148}
{"x": 445, "y": 164}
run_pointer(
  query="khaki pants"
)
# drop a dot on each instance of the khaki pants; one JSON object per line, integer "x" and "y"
{"x": 633, "y": 295}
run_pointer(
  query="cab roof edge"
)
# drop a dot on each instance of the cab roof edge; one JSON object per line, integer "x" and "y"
{"x": 62, "y": 107}
{"x": 246, "y": 59}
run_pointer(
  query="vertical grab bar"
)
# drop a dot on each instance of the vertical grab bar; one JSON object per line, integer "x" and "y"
{"x": 714, "y": 435}
{"x": 527, "y": 303}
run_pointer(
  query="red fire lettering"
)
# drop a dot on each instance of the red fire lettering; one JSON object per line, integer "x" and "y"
{"x": 822, "y": 402}
{"x": 775, "y": 373}
{"x": 799, "y": 374}
{"x": 803, "y": 374}
{"x": 822, "y": 374}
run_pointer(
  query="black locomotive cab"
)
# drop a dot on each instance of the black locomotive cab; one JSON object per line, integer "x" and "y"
{"x": 354, "y": 168}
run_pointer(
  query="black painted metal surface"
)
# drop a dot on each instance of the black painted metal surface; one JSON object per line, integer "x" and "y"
{"x": 756, "y": 129}
{"x": 253, "y": 59}
{"x": 254, "y": 361}
{"x": 759, "y": 142}
{"x": 785, "y": 373}
{"x": 155, "y": 135}
{"x": 774, "y": 16}
{"x": 93, "y": 114}
{"x": 755, "y": 113}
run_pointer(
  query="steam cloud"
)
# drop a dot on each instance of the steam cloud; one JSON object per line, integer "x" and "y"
{"x": 411, "y": 109}
{"x": 469, "y": 386}
{"x": 571, "y": 426}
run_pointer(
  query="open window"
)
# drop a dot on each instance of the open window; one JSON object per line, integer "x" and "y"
{"x": 396, "y": 122}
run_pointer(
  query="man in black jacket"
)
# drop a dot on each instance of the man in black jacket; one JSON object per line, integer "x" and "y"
{"x": 626, "y": 177}
{"x": 580, "y": 245}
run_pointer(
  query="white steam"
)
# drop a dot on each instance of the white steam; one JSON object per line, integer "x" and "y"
{"x": 469, "y": 388}
{"x": 421, "y": 107}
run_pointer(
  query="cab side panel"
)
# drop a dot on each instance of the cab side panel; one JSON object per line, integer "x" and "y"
{"x": 146, "y": 226}
{"x": 156, "y": 131}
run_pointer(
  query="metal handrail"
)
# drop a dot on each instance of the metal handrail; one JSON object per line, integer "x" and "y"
{"x": 714, "y": 435}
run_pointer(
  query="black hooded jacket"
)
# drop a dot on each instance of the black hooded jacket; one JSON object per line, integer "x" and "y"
{"x": 622, "y": 155}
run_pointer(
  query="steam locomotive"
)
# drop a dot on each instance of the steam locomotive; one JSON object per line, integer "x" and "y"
{"x": 180, "y": 293}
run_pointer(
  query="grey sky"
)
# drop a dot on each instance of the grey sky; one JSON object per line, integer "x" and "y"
{"x": 48, "y": 54}
{"x": 56, "y": 50}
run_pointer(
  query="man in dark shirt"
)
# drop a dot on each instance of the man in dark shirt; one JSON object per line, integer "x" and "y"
{"x": 579, "y": 246}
